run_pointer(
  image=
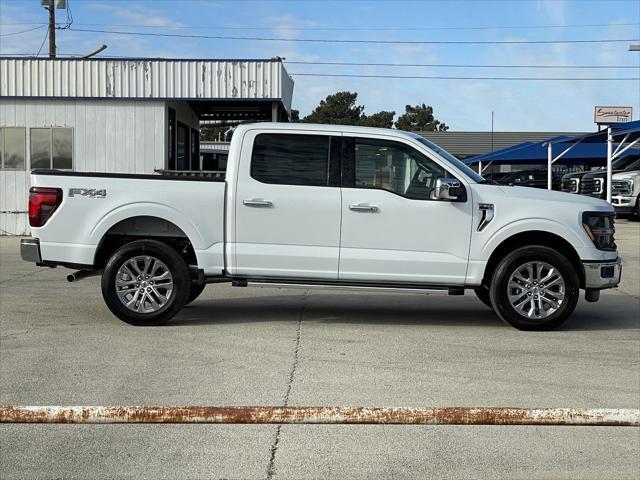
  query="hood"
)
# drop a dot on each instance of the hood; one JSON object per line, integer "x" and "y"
{"x": 567, "y": 176}
{"x": 627, "y": 174}
{"x": 600, "y": 174}
{"x": 553, "y": 197}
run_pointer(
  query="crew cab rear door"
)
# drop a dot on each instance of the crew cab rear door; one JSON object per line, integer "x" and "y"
{"x": 392, "y": 229}
{"x": 287, "y": 205}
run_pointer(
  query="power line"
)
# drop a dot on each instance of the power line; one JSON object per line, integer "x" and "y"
{"x": 335, "y": 63}
{"x": 21, "y": 32}
{"x": 449, "y": 65}
{"x": 332, "y": 40}
{"x": 348, "y": 28}
{"x": 439, "y": 77}
{"x": 46, "y": 35}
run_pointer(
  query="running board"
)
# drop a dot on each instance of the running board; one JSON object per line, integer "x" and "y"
{"x": 384, "y": 288}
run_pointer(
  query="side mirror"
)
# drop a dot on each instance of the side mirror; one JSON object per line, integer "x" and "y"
{"x": 448, "y": 189}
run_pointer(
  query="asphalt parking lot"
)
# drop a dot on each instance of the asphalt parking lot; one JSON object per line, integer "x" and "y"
{"x": 237, "y": 346}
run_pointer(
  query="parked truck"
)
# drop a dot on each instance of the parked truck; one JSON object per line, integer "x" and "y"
{"x": 320, "y": 206}
{"x": 625, "y": 187}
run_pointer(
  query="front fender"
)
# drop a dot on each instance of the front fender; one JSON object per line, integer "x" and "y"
{"x": 577, "y": 241}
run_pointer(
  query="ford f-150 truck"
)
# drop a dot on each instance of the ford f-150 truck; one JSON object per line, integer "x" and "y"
{"x": 328, "y": 207}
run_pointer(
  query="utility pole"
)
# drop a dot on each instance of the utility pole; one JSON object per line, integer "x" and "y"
{"x": 51, "y": 6}
{"x": 52, "y": 29}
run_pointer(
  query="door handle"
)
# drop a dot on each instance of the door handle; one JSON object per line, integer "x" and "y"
{"x": 363, "y": 207}
{"x": 257, "y": 202}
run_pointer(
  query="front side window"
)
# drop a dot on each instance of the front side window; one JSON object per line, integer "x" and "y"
{"x": 395, "y": 167}
{"x": 291, "y": 159}
{"x": 52, "y": 148}
{"x": 12, "y": 148}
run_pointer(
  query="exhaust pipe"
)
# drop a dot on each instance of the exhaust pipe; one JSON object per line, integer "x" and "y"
{"x": 80, "y": 274}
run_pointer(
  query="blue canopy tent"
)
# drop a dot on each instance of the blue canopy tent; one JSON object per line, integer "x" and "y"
{"x": 595, "y": 149}
{"x": 593, "y": 154}
{"x": 625, "y": 135}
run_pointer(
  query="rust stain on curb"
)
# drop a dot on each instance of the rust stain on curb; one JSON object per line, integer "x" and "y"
{"x": 322, "y": 415}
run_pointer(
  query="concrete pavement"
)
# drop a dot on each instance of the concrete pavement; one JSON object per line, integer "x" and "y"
{"x": 60, "y": 345}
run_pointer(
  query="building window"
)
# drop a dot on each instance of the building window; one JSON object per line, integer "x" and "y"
{"x": 12, "y": 148}
{"x": 195, "y": 150}
{"x": 290, "y": 159}
{"x": 183, "y": 148}
{"x": 213, "y": 161}
{"x": 52, "y": 148}
{"x": 171, "y": 136}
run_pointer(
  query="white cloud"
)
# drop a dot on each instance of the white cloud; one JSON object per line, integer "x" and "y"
{"x": 556, "y": 10}
{"x": 137, "y": 14}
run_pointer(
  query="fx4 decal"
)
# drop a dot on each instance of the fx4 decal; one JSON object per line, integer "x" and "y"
{"x": 87, "y": 192}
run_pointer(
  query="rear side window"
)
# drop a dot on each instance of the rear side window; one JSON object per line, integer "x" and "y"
{"x": 291, "y": 159}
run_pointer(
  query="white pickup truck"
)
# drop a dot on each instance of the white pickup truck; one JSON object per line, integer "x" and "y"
{"x": 321, "y": 206}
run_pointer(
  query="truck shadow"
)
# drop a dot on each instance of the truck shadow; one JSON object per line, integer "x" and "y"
{"x": 383, "y": 309}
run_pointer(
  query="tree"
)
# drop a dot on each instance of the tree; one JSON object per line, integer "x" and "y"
{"x": 382, "y": 119}
{"x": 420, "y": 118}
{"x": 212, "y": 132}
{"x": 339, "y": 108}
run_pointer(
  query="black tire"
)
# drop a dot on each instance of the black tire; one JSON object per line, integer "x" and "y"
{"x": 196, "y": 290}
{"x": 482, "y": 292}
{"x": 499, "y": 290}
{"x": 174, "y": 263}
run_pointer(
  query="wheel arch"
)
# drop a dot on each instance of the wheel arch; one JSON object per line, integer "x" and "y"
{"x": 144, "y": 227}
{"x": 530, "y": 238}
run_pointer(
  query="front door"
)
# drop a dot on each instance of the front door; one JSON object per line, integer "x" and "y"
{"x": 287, "y": 206}
{"x": 392, "y": 229}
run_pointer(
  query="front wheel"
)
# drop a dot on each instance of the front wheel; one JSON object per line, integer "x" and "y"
{"x": 535, "y": 288}
{"x": 195, "y": 291}
{"x": 145, "y": 282}
{"x": 482, "y": 292}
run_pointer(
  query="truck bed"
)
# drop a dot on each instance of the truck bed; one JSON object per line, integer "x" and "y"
{"x": 93, "y": 204}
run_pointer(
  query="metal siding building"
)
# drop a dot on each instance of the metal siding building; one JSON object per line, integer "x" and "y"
{"x": 124, "y": 116}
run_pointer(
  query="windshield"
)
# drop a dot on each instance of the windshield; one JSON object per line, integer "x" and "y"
{"x": 633, "y": 166}
{"x": 446, "y": 155}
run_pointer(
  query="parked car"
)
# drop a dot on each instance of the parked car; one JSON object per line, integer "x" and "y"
{"x": 625, "y": 189}
{"x": 321, "y": 206}
{"x": 531, "y": 178}
{"x": 573, "y": 182}
{"x": 595, "y": 183}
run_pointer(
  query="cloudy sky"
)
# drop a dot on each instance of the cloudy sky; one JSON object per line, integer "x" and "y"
{"x": 463, "y": 104}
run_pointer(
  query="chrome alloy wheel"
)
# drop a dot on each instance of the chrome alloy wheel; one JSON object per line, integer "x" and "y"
{"x": 536, "y": 290}
{"x": 144, "y": 284}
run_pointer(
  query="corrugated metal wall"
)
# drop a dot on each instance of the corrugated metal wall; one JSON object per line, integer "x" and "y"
{"x": 177, "y": 79}
{"x": 126, "y": 136}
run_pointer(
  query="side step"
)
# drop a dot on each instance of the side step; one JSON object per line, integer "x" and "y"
{"x": 384, "y": 288}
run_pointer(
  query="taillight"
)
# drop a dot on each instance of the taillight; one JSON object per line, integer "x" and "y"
{"x": 43, "y": 202}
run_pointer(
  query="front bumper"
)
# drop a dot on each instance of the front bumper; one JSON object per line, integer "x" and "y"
{"x": 602, "y": 274}
{"x": 30, "y": 250}
{"x": 623, "y": 205}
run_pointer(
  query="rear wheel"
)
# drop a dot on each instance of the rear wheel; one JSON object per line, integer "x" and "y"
{"x": 145, "y": 282}
{"x": 534, "y": 288}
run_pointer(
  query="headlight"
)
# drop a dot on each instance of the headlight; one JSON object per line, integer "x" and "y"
{"x": 597, "y": 186}
{"x": 600, "y": 228}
